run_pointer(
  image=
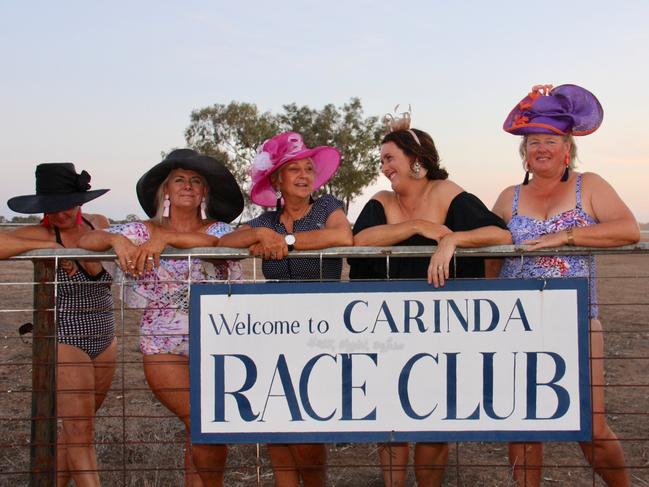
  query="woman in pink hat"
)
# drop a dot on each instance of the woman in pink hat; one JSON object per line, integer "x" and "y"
{"x": 557, "y": 207}
{"x": 284, "y": 174}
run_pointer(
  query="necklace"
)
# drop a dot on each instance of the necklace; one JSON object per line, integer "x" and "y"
{"x": 288, "y": 220}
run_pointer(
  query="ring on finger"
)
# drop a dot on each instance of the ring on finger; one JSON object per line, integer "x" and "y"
{"x": 150, "y": 257}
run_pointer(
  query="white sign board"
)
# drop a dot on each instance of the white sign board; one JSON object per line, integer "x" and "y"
{"x": 390, "y": 361}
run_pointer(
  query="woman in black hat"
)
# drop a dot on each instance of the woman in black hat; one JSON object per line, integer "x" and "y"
{"x": 188, "y": 197}
{"x": 87, "y": 346}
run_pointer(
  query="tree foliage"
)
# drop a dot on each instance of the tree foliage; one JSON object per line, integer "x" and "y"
{"x": 234, "y": 132}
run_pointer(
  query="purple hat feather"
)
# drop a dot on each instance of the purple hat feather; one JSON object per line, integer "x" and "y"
{"x": 566, "y": 109}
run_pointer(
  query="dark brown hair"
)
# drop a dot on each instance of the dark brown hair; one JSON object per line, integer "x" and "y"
{"x": 426, "y": 153}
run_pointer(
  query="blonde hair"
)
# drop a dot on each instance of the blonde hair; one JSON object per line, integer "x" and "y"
{"x": 522, "y": 149}
{"x": 160, "y": 197}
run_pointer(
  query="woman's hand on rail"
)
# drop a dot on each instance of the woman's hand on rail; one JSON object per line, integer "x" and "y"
{"x": 148, "y": 254}
{"x": 127, "y": 253}
{"x": 271, "y": 245}
{"x": 547, "y": 241}
{"x": 440, "y": 261}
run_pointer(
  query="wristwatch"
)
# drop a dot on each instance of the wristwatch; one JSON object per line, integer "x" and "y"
{"x": 290, "y": 241}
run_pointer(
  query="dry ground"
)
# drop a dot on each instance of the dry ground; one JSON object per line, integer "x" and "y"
{"x": 140, "y": 445}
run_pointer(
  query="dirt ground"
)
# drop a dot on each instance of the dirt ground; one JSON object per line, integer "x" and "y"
{"x": 140, "y": 444}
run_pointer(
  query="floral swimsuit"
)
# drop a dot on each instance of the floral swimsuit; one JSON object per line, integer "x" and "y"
{"x": 527, "y": 228}
{"x": 163, "y": 293}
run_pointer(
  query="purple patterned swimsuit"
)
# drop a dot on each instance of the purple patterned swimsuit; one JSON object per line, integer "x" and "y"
{"x": 163, "y": 294}
{"x": 527, "y": 228}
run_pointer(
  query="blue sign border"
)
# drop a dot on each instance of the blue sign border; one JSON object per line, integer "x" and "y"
{"x": 580, "y": 285}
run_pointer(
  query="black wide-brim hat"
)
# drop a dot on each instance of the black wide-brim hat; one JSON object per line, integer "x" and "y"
{"x": 58, "y": 188}
{"x": 225, "y": 200}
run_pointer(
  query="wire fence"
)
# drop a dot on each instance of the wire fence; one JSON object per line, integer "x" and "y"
{"x": 140, "y": 443}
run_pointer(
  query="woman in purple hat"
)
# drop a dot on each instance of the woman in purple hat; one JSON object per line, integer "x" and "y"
{"x": 189, "y": 198}
{"x": 284, "y": 174}
{"x": 424, "y": 208}
{"x": 558, "y": 206}
{"x": 87, "y": 346}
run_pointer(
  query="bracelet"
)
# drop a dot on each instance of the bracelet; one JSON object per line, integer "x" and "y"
{"x": 571, "y": 237}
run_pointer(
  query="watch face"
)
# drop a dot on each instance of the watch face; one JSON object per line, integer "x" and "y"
{"x": 289, "y": 239}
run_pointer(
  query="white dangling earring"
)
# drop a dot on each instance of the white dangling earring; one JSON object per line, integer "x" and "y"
{"x": 203, "y": 207}
{"x": 278, "y": 203}
{"x": 416, "y": 172}
{"x": 166, "y": 204}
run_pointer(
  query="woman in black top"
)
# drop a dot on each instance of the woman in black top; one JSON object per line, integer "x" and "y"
{"x": 423, "y": 208}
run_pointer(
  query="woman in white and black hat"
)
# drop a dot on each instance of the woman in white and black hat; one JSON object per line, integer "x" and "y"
{"x": 189, "y": 198}
{"x": 87, "y": 346}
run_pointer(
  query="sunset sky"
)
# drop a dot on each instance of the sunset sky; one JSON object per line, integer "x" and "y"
{"x": 109, "y": 85}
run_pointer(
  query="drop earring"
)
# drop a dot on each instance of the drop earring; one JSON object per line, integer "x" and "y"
{"x": 203, "y": 207}
{"x": 166, "y": 204}
{"x": 526, "y": 180}
{"x": 416, "y": 171}
{"x": 278, "y": 205}
{"x": 79, "y": 219}
{"x": 45, "y": 221}
{"x": 566, "y": 172}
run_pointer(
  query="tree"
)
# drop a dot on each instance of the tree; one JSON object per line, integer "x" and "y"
{"x": 234, "y": 132}
{"x": 231, "y": 132}
{"x": 26, "y": 219}
{"x": 345, "y": 128}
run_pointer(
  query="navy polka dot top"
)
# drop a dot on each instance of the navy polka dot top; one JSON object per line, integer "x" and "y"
{"x": 302, "y": 269}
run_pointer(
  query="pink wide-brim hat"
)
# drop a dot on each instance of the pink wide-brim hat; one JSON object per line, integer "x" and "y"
{"x": 279, "y": 150}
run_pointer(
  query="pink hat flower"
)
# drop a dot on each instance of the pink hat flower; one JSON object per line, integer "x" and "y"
{"x": 279, "y": 150}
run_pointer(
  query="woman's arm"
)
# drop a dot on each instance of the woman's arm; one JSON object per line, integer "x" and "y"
{"x": 148, "y": 253}
{"x": 100, "y": 241}
{"x": 616, "y": 224}
{"x": 439, "y": 267}
{"x": 336, "y": 233}
{"x": 262, "y": 242}
{"x": 12, "y": 244}
{"x": 392, "y": 233}
{"x": 245, "y": 236}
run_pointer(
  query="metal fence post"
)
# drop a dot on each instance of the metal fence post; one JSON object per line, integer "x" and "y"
{"x": 43, "y": 432}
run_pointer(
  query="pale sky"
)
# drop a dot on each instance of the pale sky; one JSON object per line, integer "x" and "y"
{"x": 109, "y": 85}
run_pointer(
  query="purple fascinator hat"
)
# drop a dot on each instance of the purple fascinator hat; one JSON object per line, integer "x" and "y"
{"x": 566, "y": 109}
{"x": 283, "y": 148}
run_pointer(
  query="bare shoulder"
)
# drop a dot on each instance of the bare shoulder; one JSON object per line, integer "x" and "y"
{"x": 97, "y": 220}
{"x": 591, "y": 179}
{"x": 503, "y": 205}
{"x": 595, "y": 188}
{"x": 446, "y": 189}
{"x": 506, "y": 195}
{"x": 385, "y": 197}
{"x": 37, "y": 232}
